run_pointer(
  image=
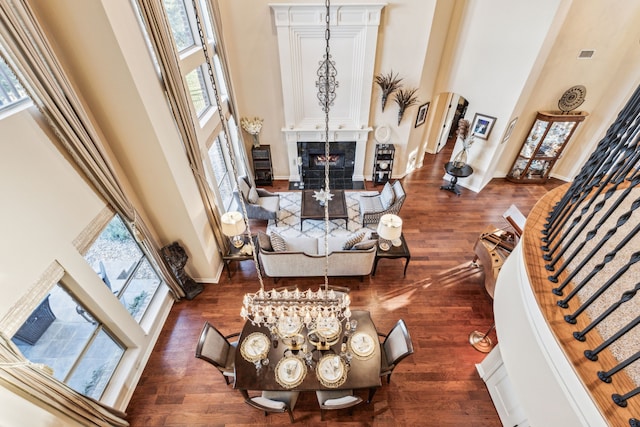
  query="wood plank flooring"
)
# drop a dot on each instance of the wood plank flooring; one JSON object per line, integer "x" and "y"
{"x": 442, "y": 299}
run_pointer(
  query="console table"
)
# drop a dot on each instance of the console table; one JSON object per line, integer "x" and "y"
{"x": 455, "y": 172}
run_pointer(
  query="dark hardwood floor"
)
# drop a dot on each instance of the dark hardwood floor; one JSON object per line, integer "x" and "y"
{"x": 442, "y": 299}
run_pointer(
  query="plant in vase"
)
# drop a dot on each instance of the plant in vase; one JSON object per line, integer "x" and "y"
{"x": 388, "y": 83}
{"x": 404, "y": 99}
{"x": 467, "y": 139}
{"x": 252, "y": 126}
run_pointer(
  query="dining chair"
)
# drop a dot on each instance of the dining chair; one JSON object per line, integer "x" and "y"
{"x": 216, "y": 349}
{"x": 336, "y": 399}
{"x": 275, "y": 401}
{"x": 396, "y": 346}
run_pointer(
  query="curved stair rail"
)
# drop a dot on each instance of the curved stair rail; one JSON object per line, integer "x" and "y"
{"x": 590, "y": 242}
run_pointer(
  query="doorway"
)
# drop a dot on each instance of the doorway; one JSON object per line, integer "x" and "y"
{"x": 456, "y": 109}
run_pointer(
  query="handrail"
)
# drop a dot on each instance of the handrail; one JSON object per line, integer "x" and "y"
{"x": 585, "y": 234}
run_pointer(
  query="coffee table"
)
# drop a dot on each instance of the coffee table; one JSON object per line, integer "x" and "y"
{"x": 311, "y": 209}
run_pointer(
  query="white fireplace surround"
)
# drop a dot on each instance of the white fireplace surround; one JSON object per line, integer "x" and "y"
{"x": 301, "y": 43}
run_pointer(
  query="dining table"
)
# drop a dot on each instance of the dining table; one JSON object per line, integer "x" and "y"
{"x": 292, "y": 357}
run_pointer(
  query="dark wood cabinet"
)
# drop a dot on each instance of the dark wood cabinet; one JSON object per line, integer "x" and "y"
{"x": 549, "y": 135}
{"x": 383, "y": 163}
{"x": 262, "y": 170}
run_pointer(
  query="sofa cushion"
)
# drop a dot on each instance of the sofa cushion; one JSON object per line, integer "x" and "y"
{"x": 353, "y": 239}
{"x": 387, "y": 195}
{"x": 364, "y": 245}
{"x": 278, "y": 243}
{"x": 264, "y": 241}
{"x": 308, "y": 245}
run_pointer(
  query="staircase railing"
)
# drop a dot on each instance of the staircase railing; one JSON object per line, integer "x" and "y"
{"x": 591, "y": 247}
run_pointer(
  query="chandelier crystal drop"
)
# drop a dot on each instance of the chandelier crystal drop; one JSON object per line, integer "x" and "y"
{"x": 299, "y": 307}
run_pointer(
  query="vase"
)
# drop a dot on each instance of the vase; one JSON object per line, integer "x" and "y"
{"x": 460, "y": 159}
{"x": 256, "y": 140}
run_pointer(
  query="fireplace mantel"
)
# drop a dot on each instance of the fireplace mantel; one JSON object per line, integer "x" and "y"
{"x": 301, "y": 45}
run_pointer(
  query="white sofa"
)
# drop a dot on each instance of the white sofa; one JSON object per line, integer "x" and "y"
{"x": 304, "y": 257}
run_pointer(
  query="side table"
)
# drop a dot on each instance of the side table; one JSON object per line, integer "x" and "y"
{"x": 455, "y": 173}
{"x": 394, "y": 252}
{"x": 236, "y": 254}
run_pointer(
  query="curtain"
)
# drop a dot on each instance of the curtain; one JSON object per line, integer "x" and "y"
{"x": 35, "y": 380}
{"x": 241, "y": 152}
{"x": 161, "y": 37}
{"x": 30, "y": 53}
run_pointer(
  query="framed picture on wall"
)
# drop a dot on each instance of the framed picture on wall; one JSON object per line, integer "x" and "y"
{"x": 482, "y": 125}
{"x": 422, "y": 114}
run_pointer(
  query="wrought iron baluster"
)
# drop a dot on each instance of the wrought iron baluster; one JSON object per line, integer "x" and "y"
{"x": 607, "y": 258}
{"x": 584, "y": 178}
{"x": 620, "y": 171}
{"x": 593, "y": 354}
{"x": 635, "y": 257}
{"x": 626, "y": 296}
{"x": 606, "y": 376}
{"x": 622, "y": 400}
{"x": 621, "y": 221}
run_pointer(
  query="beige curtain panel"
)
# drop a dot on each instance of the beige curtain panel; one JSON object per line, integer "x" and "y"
{"x": 29, "y": 52}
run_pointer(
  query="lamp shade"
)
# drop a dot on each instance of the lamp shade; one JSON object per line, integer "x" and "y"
{"x": 390, "y": 227}
{"x": 232, "y": 223}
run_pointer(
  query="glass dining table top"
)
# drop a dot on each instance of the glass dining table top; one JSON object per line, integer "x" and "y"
{"x": 341, "y": 359}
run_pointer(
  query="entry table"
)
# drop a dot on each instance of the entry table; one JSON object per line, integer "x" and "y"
{"x": 455, "y": 172}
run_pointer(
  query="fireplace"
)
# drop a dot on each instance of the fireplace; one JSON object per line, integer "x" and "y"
{"x": 318, "y": 160}
{"x": 341, "y": 160}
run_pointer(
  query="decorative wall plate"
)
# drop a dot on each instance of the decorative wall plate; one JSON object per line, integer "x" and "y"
{"x": 572, "y": 98}
{"x": 382, "y": 134}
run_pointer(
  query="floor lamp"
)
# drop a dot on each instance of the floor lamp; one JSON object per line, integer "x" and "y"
{"x": 480, "y": 341}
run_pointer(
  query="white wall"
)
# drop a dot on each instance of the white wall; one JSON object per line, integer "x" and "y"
{"x": 45, "y": 205}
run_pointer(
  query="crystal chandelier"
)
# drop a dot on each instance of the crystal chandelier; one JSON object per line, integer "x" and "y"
{"x": 268, "y": 308}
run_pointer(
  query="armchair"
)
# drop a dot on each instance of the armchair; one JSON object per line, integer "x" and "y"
{"x": 260, "y": 203}
{"x": 388, "y": 201}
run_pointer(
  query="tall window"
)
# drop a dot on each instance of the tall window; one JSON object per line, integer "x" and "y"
{"x": 73, "y": 340}
{"x": 11, "y": 91}
{"x": 182, "y": 19}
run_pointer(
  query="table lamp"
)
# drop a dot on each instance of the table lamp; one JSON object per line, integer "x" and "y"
{"x": 389, "y": 229}
{"x": 233, "y": 225}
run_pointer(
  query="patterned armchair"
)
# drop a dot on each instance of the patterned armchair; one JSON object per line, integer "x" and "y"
{"x": 260, "y": 203}
{"x": 388, "y": 201}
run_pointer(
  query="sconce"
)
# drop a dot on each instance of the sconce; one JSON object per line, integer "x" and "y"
{"x": 233, "y": 225}
{"x": 389, "y": 230}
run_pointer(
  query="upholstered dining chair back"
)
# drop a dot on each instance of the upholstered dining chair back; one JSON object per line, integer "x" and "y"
{"x": 336, "y": 399}
{"x": 396, "y": 346}
{"x": 275, "y": 401}
{"x": 216, "y": 349}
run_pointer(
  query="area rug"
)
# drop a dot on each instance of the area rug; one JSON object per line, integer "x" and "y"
{"x": 289, "y": 217}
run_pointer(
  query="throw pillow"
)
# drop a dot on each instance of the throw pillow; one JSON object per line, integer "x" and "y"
{"x": 278, "y": 243}
{"x": 264, "y": 241}
{"x": 253, "y": 195}
{"x": 353, "y": 239}
{"x": 387, "y": 195}
{"x": 364, "y": 245}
